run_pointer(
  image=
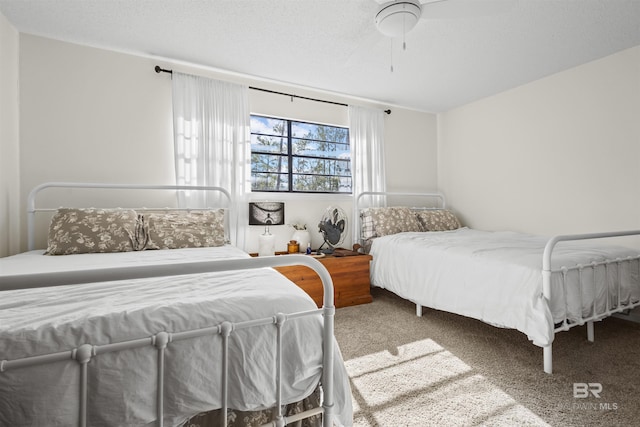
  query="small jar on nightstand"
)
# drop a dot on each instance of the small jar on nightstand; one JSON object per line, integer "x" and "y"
{"x": 293, "y": 247}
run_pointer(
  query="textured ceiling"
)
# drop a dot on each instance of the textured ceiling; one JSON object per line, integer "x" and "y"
{"x": 462, "y": 50}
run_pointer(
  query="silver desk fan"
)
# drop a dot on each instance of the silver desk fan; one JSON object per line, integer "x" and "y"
{"x": 333, "y": 227}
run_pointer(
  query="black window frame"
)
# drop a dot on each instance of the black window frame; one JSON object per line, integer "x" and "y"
{"x": 291, "y": 157}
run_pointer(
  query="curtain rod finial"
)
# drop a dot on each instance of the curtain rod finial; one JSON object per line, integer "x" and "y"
{"x": 162, "y": 70}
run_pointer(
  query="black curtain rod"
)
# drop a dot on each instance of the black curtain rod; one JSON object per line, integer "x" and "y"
{"x": 162, "y": 70}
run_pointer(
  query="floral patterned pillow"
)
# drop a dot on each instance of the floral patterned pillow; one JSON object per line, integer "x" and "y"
{"x": 78, "y": 231}
{"x": 394, "y": 220}
{"x": 438, "y": 220}
{"x": 175, "y": 230}
{"x": 377, "y": 222}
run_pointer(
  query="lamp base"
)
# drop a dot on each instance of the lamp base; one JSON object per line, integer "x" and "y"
{"x": 267, "y": 244}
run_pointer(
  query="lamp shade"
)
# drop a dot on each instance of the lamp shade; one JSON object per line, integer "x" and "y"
{"x": 266, "y": 213}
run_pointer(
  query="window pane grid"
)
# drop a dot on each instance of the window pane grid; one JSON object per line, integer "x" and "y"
{"x": 269, "y": 163}
{"x": 289, "y": 156}
{"x": 270, "y": 181}
{"x": 319, "y": 166}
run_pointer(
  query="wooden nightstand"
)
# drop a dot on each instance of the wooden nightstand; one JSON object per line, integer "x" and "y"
{"x": 350, "y": 275}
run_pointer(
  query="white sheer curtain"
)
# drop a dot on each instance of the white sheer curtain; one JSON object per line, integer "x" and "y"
{"x": 366, "y": 134}
{"x": 212, "y": 143}
{"x": 366, "y": 138}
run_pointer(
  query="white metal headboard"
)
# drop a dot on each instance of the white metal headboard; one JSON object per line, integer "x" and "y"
{"x": 360, "y": 203}
{"x": 35, "y": 192}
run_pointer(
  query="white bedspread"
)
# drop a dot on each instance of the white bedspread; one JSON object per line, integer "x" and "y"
{"x": 42, "y": 320}
{"x": 36, "y": 262}
{"x": 494, "y": 277}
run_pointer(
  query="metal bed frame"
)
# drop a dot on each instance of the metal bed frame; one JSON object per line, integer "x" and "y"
{"x": 84, "y": 353}
{"x": 32, "y": 210}
{"x": 546, "y": 270}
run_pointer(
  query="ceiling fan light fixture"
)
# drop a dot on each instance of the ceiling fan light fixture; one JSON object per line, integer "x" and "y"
{"x": 396, "y": 18}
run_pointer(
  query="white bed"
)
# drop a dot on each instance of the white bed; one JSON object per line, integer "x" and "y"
{"x": 34, "y": 269}
{"x": 536, "y": 285}
{"x": 157, "y": 337}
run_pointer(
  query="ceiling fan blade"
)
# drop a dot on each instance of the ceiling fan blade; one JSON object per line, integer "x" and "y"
{"x": 453, "y": 9}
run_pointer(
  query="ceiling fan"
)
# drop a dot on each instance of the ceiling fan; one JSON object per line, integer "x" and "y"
{"x": 396, "y": 18}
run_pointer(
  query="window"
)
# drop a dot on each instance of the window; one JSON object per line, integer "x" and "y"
{"x": 291, "y": 156}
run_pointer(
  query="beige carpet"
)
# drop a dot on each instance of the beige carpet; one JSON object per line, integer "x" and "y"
{"x": 447, "y": 370}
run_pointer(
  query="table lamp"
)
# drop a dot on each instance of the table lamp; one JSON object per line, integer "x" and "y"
{"x": 267, "y": 214}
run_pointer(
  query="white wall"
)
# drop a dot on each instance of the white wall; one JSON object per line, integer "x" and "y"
{"x": 9, "y": 149}
{"x": 94, "y": 115}
{"x": 411, "y": 164}
{"x": 559, "y": 155}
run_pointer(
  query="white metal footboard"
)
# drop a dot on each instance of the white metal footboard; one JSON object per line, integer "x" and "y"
{"x": 84, "y": 353}
{"x": 583, "y": 270}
